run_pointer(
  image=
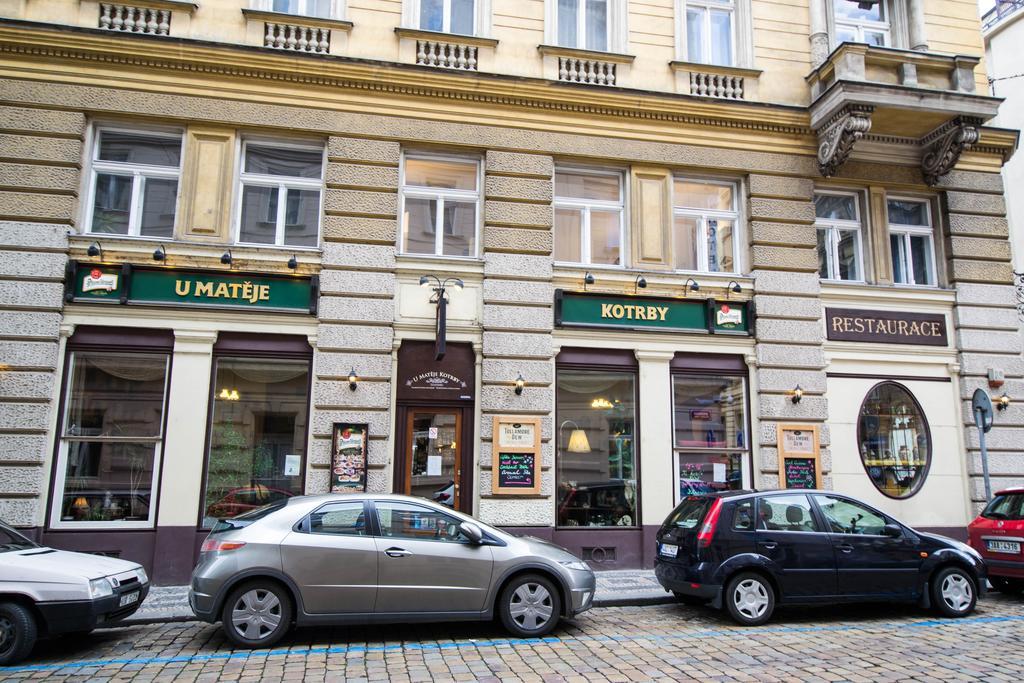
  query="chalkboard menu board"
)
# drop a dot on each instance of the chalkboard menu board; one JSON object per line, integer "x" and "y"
{"x": 515, "y": 470}
{"x": 800, "y": 473}
{"x": 515, "y": 456}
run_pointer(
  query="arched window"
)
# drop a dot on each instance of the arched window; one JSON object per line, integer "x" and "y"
{"x": 895, "y": 443}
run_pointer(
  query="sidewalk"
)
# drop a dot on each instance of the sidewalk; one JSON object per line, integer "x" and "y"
{"x": 614, "y": 588}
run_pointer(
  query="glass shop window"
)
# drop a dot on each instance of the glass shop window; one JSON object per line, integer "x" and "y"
{"x": 895, "y": 442}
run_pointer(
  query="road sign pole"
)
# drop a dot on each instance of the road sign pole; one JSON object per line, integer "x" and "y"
{"x": 979, "y": 419}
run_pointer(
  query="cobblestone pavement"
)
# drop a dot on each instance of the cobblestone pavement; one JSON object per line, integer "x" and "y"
{"x": 862, "y": 643}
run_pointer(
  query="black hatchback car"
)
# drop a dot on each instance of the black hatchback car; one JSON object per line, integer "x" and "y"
{"x": 750, "y": 551}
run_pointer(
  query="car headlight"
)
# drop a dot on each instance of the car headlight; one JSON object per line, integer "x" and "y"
{"x": 141, "y": 573}
{"x": 578, "y": 565}
{"x": 100, "y": 588}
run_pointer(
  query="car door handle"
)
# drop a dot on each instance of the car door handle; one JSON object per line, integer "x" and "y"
{"x": 397, "y": 552}
{"x": 845, "y": 547}
{"x": 770, "y": 545}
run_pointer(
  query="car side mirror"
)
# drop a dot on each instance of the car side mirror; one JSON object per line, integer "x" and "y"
{"x": 892, "y": 530}
{"x": 472, "y": 532}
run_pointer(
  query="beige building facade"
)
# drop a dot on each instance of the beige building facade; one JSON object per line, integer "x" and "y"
{"x": 683, "y": 246}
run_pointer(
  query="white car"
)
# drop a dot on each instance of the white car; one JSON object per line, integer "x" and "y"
{"x": 46, "y": 592}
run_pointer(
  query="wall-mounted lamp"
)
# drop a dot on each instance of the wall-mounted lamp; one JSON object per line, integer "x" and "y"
{"x": 293, "y": 262}
{"x": 733, "y": 288}
{"x": 226, "y": 258}
{"x": 520, "y": 383}
{"x": 798, "y": 395}
{"x": 690, "y": 286}
{"x": 440, "y": 300}
{"x": 228, "y": 394}
{"x": 578, "y": 442}
{"x": 1003, "y": 402}
{"x": 588, "y": 279}
{"x": 160, "y": 254}
{"x": 353, "y": 378}
{"x": 95, "y": 250}
{"x": 452, "y": 281}
{"x": 639, "y": 283}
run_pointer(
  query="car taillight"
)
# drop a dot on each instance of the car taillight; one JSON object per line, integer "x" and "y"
{"x": 212, "y": 545}
{"x": 707, "y": 532}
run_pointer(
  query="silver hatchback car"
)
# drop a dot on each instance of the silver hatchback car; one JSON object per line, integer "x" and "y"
{"x": 365, "y": 558}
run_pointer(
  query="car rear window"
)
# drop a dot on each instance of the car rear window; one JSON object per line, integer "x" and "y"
{"x": 689, "y": 513}
{"x": 1007, "y": 506}
{"x": 246, "y": 518}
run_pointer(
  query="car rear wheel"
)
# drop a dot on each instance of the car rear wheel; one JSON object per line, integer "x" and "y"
{"x": 18, "y": 631}
{"x": 750, "y": 599}
{"x": 530, "y": 606}
{"x": 257, "y": 614}
{"x": 953, "y": 592}
{"x": 1005, "y": 585}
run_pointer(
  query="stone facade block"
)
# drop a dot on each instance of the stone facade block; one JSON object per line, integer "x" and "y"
{"x": 989, "y": 340}
{"x": 23, "y": 447}
{"x": 965, "y": 270}
{"x": 518, "y": 214}
{"x": 769, "y": 459}
{"x": 339, "y": 364}
{"x": 19, "y": 512}
{"x": 980, "y": 248}
{"x": 24, "y": 416}
{"x": 34, "y": 235}
{"x": 20, "y": 354}
{"x": 353, "y": 338}
{"x": 779, "y": 407}
{"x": 999, "y": 438}
{"x": 520, "y": 189}
{"x": 40, "y": 149}
{"x": 26, "y": 385}
{"x": 21, "y": 479}
{"x": 787, "y": 307}
{"x": 42, "y": 120}
{"x": 784, "y": 258}
{"x": 978, "y": 364}
{"x": 774, "y": 379}
{"x": 336, "y": 394}
{"x": 361, "y": 202}
{"x": 975, "y": 202}
{"x": 774, "y": 282}
{"x": 999, "y": 464}
{"x": 515, "y": 163}
{"x": 790, "y": 356}
{"x": 362, "y": 149}
{"x": 359, "y": 256}
{"x": 971, "y": 180}
{"x": 362, "y": 176}
{"x": 986, "y": 318}
{"x": 980, "y": 226}
{"x": 795, "y": 331}
{"x": 356, "y": 282}
{"x": 518, "y": 292}
{"x": 50, "y": 207}
{"x": 378, "y": 481}
{"x": 512, "y": 512}
{"x": 517, "y": 266}
{"x": 29, "y": 294}
{"x": 32, "y": 176}
{"x": 781, "y": 186}
{"x": 517, "y": 345}
{"x": 533, "y": 371}
{"x": 784, "y": 234}
{"x": 379, "y": 420}
{"x": 360, "y": 229}
{"x": 986, "y": 295}
{"x": 340, "y": 308}
{"x": 781, "y": 210}
{"x": 32, "y": 264}
{"x": 532, "y": 318}
{"x": 31, "y": 324}
{"x": 517, "y": 240}
{"x": 503, "y": 399}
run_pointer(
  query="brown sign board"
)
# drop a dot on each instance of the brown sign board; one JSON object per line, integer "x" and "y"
{"x": 888, "y": 327}
{"x": 423, "y": 378}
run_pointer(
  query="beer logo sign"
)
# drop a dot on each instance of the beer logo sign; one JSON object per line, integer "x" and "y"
{"x": 98, "y": 281}
{"x": 728, "y": 316}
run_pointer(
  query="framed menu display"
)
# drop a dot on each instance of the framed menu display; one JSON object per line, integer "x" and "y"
{"x": 348, "y": 457}
{"x": 515, "y": 455}
{"x": 799, "y": 456}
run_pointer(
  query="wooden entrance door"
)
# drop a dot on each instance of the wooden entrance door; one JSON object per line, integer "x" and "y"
{"x": 433, "y": 455}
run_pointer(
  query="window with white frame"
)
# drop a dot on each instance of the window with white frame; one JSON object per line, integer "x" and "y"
{"x": 911, "y": 239}
{"x": 280, "y": 194}
{"x": 856, "y": 23}
{"x": 584, "y": 24}
{"x": 589, "y": 217}
{"x": 134, "y": 183}
{"x": 305, "y": 8}
{"x": 447, "y": 16}
{"x": 440, "y": 205}
{"x": 710, "y": 31}
{"x": 704, "y": 225}
{"x": 839, "y": 229}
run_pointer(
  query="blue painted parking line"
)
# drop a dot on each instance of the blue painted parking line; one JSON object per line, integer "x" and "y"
{"x": 361, "y": 650}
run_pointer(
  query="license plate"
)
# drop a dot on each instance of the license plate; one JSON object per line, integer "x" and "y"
{"x": 129, "y": 598}
{"x": 1010, "y": 547}
{"x": 669, "y": 550}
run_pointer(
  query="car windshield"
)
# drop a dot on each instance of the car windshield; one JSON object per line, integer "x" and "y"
{"x": 1006, "y": 506}
{"x": 689, "y": 513}
{"x": 11, "y": 540}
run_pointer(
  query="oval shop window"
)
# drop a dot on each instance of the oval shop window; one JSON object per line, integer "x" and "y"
{"x": 895, "y": 443}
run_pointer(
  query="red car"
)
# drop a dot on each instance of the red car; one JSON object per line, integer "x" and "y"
{"x": 998, "y": 534}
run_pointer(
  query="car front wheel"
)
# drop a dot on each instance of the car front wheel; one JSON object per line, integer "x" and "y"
{"x": 530, "y": 606}
{"x": 18, "y": 632}
{"x": 257, "y": 614}
{"x": 750, "y": 599}
{"x": 953, "y": 592}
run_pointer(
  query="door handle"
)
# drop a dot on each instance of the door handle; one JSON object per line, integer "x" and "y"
{"x": 397, "y": 552}
{"x": 845, "y": 547}
{"x": 770, "y": 545}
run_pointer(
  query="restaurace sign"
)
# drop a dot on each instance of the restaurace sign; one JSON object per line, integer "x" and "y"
{"x": 891, "y": 327}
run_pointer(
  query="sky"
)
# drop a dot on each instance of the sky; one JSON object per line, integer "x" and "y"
{"x": 985, "y": 5}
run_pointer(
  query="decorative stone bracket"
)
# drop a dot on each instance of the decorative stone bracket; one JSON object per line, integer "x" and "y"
{"x": 837, "y": 137}
{"x": 944, "y": 145}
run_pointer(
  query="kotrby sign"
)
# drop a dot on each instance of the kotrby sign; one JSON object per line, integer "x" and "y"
{"x": 889, "y": 327}
{"x": 126, "y": 284}
{"x": 661, "y": 314}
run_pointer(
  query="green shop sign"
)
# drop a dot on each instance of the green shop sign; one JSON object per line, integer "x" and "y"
{"x": 658, "y": 314}
{"x": 127, "y": 284}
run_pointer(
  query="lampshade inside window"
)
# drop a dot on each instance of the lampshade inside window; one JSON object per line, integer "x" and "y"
{"x": 578, "y": 442}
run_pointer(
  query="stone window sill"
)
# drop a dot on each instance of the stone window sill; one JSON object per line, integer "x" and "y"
{"x": 440, "y": 36}
{"x": 559, "y": 51}
{"x": 284, "y": 18}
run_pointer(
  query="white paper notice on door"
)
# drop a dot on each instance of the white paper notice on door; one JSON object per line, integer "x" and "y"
{"x": 433, "y": 465}
{"x": 291, "y": 465}
{"x": 432, "y": 433}
{"x": 719, "y": 471}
